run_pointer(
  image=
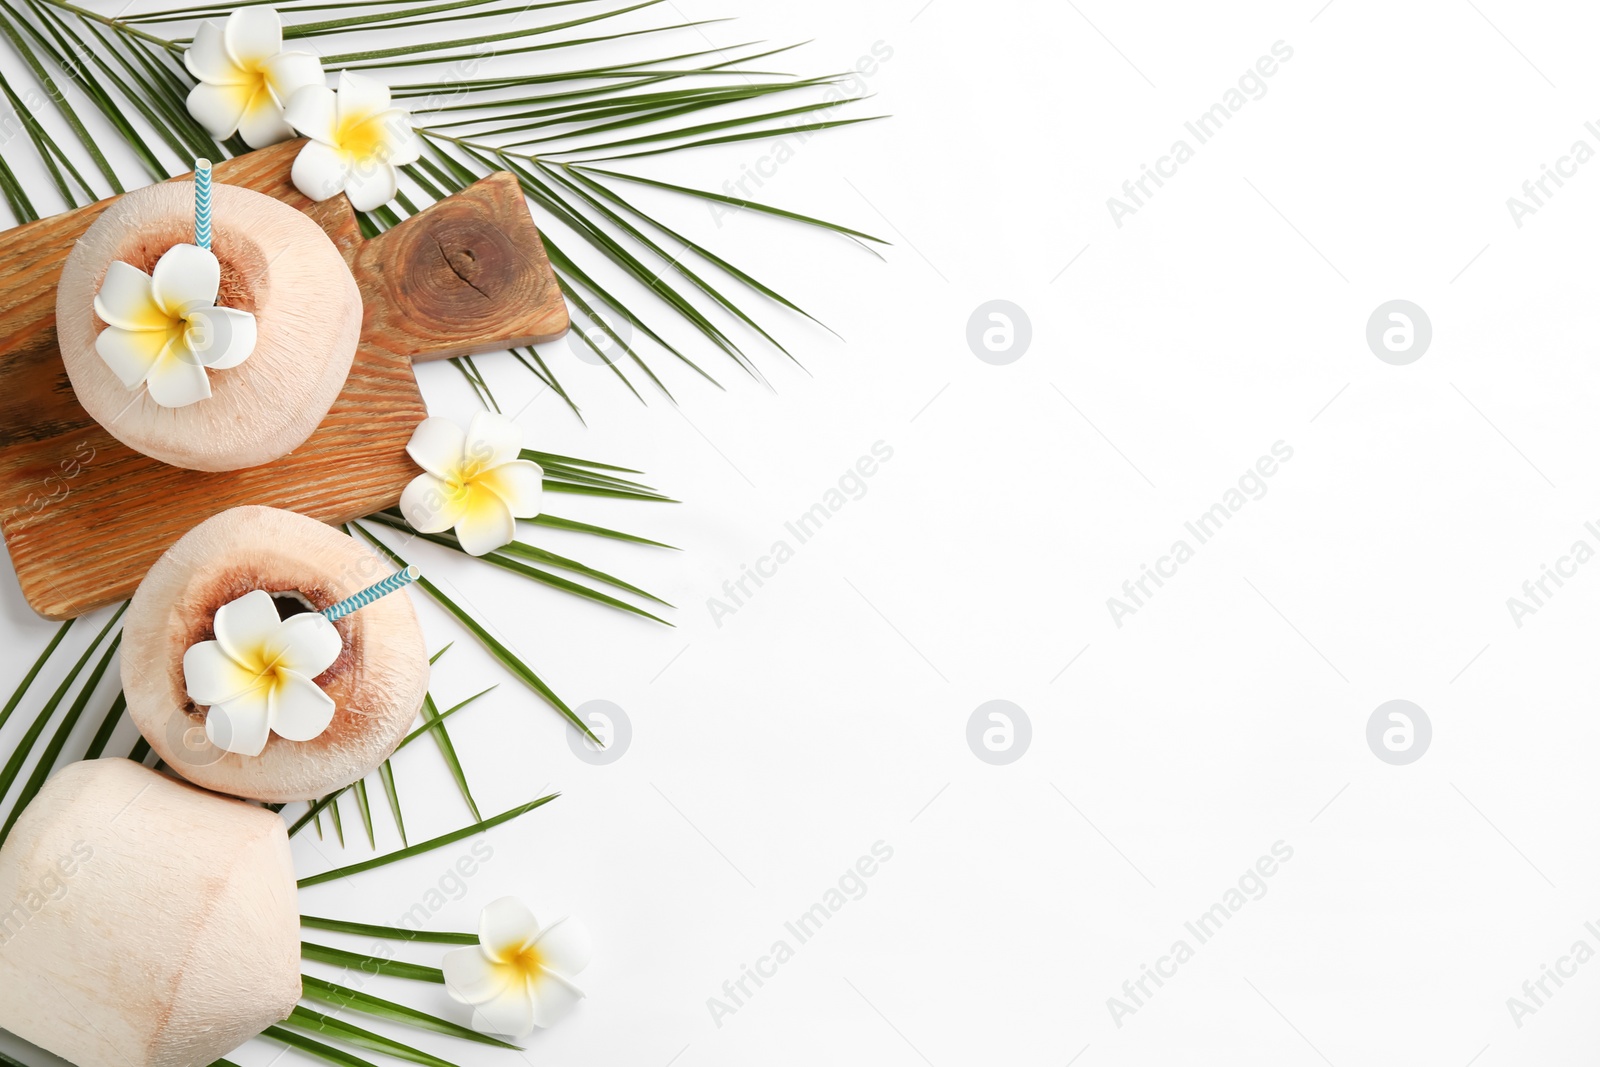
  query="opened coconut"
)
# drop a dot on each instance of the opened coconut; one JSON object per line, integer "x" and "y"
{"x": 145, "y": 922}
{"x": 276, "y": 265}
{"x": 208, "y": 590}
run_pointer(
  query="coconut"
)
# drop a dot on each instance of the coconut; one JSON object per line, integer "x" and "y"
{"x": 276, "y": 264}
{"x": 377, "y": 683}
{"x": 146, "y": 923}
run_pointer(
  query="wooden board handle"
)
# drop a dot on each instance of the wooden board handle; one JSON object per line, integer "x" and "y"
{"x": 465, "y": 275}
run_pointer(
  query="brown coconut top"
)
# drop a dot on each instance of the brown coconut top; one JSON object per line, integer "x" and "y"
{"x": 276, "y": 264}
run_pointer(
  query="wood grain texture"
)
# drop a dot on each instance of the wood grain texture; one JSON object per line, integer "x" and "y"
{"x": 84, "y": 516}
{"x": 474, "y": 280}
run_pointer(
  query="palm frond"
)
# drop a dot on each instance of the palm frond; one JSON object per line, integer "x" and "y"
{"x": 304, "y": 1018}
{"x": 392, "y": 933}
{"x": 370, "y": 964}
{"x": 326, "y": 992}
{"x": 549, "y": 125}
{"x": 427, "y": 846}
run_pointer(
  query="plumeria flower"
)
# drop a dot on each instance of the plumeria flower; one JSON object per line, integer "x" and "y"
{"x": 246, "y": 78}
{"x": 473, "y": 481}
{"x": 358, "y": 138}
{"x": 257, "y": 675}
{"x": 516, "y": 977}
{"x": 163, "y": 329}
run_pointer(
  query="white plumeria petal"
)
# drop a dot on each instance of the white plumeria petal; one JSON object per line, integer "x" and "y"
{"x": 208, "y": 60}
{"x": 186, "y": 277}
{"x": 371, "y": 184}
{"x": 131, "y": 353}
{"x": 307, "y": 643}
{"x": 564, "y": 947}
{"x": 431, "y": 504}
{"x": 298, "y": 709}
{"x": 262, "y": 122}
{"x": 240, "y": 725}
{"x": 125, "y": 299}
{"x": 177, "y": 383}
{"x": 492, "y": 439}
{"x": 289, "y": 72}
{"x": 221, "y": 338}
{"x": 519, "y": 484}
{"x": 314, "y": 111}
{"x": 219, "y": 108}
{"x": 401, "y": 142}
{"x": 470, "y": 977}
{"x": 246, "y": 624}
{"x": 360, "y": 98}
{"x": 211, "y": 676}
{"x": 485, "y": 524}
{"x": 320, "y": 170}
{"x": 438, "y": 446}
{"x": 553, "y": 998}
{"x": 506, "y": 927}
{"x": 511, "y": 1012}
{"x": 252, "y": 36}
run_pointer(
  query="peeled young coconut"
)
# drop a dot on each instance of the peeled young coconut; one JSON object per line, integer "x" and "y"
{"x": 377, "y": 682}
{"x": 276, "y": 264}
{"x": 143, "y": 922}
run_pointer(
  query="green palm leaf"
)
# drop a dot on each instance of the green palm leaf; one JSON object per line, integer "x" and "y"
{"x": 370, "y": 964}
{"x": 305, "y": 1018}
{"x": 426, "y": 846}
{"x": 313, "y": 988}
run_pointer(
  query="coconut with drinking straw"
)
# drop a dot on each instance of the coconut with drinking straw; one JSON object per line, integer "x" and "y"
{"x": 258, "y": 662}
{"x": 206, "y": 325}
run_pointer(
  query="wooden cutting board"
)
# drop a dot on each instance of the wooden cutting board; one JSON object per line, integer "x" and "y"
{"x": 84, "y": 516}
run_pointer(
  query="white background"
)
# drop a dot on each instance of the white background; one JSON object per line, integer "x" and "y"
{"x": 829, "y": 712}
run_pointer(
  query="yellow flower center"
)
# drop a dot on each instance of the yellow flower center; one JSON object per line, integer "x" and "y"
{"x": 467, "y": 479}
{"x": 267, "y": 672}
{"x": 525, "y": 965}
{"x": 360, "y": 136}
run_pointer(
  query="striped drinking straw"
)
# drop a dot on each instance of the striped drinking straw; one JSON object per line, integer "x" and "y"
{"x": 398, "y": 580}
{"x": 202, "y": 203}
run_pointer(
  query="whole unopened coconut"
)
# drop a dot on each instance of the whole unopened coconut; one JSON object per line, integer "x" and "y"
{"x": 277, "y": 265}
{"x": 377, "y": 672}
{"x": 144, "y": 922}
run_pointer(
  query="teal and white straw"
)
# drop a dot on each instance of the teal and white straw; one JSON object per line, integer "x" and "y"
{"x": 202, "y": 203}
{"x": 372, "y": 592}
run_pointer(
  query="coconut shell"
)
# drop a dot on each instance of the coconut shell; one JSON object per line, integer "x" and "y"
{"x": 146, "y": 923}
{"x": 377, "y": 683}
{"x": 276, "y": 264}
